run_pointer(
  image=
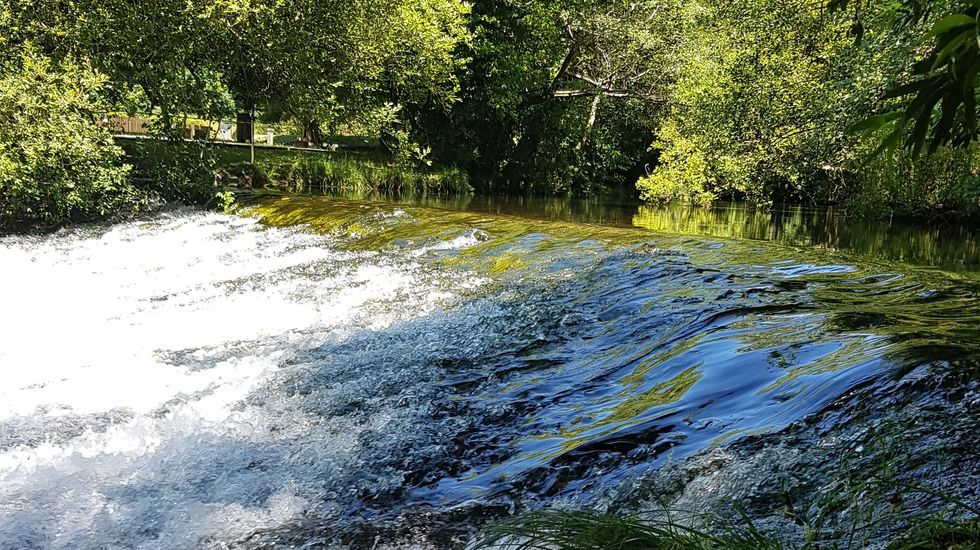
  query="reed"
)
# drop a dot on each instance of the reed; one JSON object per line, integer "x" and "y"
{"x": 951, "y": 525}
{"x": 587, "y": 531}
{"x": 344, "y": 173}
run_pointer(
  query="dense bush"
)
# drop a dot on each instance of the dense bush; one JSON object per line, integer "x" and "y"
{"x": 559, "y": 96}
{"x": 766, "y": 101}
{"x": 324, "y": 172}
{"x": 945, "y": 183}
{"x": 56, "y": 164}
{"x": 174, "y": 172}
{"x": 763, "y": 101}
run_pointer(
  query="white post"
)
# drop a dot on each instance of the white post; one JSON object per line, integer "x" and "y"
{"x": 251, "y": 137}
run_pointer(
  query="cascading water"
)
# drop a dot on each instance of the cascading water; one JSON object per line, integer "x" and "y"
{"x": 385, "y": 375}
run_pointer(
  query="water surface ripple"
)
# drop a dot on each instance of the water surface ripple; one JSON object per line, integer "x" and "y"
{"x": 378, "y": 374}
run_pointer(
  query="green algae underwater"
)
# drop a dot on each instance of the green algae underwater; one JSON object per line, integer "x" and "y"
{"x": 712, "y": 374}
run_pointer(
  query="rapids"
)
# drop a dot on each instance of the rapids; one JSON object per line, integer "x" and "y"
{"x": 325, "y": 372}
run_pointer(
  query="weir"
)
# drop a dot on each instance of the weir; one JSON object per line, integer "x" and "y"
{"x": 321, "y": 371}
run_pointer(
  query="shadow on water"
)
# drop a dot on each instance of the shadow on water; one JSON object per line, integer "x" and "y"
{"x": 611, "y": 351}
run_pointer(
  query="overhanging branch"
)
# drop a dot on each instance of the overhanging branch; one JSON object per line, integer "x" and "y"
{"x": 565, "y": 94}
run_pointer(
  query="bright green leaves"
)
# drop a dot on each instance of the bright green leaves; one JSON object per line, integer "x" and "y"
{"x": 310, "y": 60}
{"x": 56, "y": 164}
{"x": 938, "y": 107}
{"x": 755, "y": 109}
{"x": 559, "y": 96}
{"x": 773, "y": 101}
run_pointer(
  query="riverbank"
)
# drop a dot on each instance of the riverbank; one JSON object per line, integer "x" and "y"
{"x": 146, "y": 174}
{"x": 224, "y": 166}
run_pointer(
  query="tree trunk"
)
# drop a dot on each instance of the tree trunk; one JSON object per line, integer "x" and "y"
{"x": 311, "y": 133}
{"x": 243, "y": 128}
{"x": 590, "y": 123}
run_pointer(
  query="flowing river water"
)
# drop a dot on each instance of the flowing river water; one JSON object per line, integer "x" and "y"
{"x": 318, "y": 372}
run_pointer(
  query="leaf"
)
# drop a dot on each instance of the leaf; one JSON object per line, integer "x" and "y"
{"x": 917, "y": 139}
{"x": 941, "y": 132}
{"x": 949, "y": 48}
{"x": 951, "y": 22}
{"x": 970, "y": 114}
{"x": 875, "y": 122}
{"x": 890, "y": 143}
{"x": 912, "y": 87}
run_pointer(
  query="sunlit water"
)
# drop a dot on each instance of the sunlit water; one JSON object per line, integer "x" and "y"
{"x": 368, "y": 374}
{"x": 950, "y": 245}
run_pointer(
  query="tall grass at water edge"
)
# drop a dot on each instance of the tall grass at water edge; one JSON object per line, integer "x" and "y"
{"x": 337, "y": 172}
{"x": 878, "y": 522}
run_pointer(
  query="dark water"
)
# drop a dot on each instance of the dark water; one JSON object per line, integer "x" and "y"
{"x": 368, "y": 374}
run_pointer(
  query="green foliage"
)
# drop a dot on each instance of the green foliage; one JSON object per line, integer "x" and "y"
{"x": 182, "y": 173}
{"x": 56, "y": 164}
{"x": 939, "y": 104}
{"x": 759, "y": 109}
{"x": 700, "y": 99}
{"x": 684, "y": 173}
{"x": 226, "y": 201}
{"x": 322, "y": 63}
{"x": 308, "y": 60}
{"x": 587, "y": 531}
{"x": 559, "y": 97}
{"x": 771, "y": 104}
{"x": 944, "y": 183}
{"x": 939, "y": 534}
{"x": 343, "y": 173}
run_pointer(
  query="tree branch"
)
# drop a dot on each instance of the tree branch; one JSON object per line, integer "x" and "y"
{"x": 565, "y": 94}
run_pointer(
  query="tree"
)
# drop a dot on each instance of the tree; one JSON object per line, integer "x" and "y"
{"x": 320, "y": 61}
{"x": 56, "y": 164}
{"x": 544, "y": 77}
{"x": 756, "y": 111}
{"x": 939, "y": 104}
{"x": 158, "y": 50}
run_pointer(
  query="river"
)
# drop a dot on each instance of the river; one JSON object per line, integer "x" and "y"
{"x": 327, "y": 371}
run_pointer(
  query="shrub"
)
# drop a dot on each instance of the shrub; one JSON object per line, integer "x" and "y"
{"x": 175, "y": 172}
{"x": 944, "y": 183}
{"x": 765, "y": 105}
{"x": 56, "y": 164}
{"x": 344, "y": 173}
{"x": 683, "y": 175}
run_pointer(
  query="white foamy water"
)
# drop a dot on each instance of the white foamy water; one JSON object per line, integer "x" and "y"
{"x": 131, "y": 410}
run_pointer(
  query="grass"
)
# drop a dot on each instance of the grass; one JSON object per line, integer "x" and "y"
{"x": 956, "y": 527}
{"x": 310, "y": 171}
{"x": 587, "y": 531}
{"x": 325, "y": 172}
{"x": 554, "y": 530}
{"x": 939, "y": 534}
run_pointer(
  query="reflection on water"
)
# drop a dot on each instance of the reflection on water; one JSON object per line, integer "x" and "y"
{"x": 949, "y": 246}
